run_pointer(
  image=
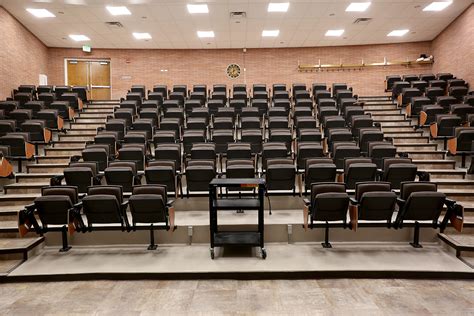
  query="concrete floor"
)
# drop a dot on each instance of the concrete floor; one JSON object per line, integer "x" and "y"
{"x": 231, "y": 297}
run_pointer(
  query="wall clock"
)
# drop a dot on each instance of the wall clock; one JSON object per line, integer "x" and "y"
{"x": 233, "y": 71}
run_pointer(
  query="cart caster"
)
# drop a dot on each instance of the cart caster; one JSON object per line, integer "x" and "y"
{"x": 264, "y": 254}
{"x": 212, "y": 253}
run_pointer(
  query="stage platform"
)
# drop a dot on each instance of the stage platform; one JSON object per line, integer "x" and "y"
{"x": 288, "y": 261}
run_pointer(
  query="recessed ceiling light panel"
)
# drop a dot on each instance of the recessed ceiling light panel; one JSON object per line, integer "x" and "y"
{"x": 358, "y": 6}
{"x": 278, "y": 7}
{"x": 398, "y": 32}
{"x": 437, "y": 6}
{"x": 203, "y": 34}
{"x": 270, "y": 33}
{"x": 197, "y": 8}
{"x": 142, "y": 36}
{"x": 41, "y": 13}
{"x": 79, "y": 37}
{"x": 334, "y": 32}
{"x": 118, "y": 10}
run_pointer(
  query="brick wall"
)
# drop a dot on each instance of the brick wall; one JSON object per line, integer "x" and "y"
{"x": 22, "y": 56}
{"x": 262, "y": 65}
{"x": 454, "y": 47}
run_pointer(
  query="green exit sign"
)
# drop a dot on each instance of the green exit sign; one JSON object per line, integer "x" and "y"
{"x": 86, "y": 48}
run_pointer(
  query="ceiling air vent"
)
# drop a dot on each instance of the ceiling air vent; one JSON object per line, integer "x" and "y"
{"x": 115, "y": 25}
{"x": 237, "y": 16}
{"x": 362, "y": 21}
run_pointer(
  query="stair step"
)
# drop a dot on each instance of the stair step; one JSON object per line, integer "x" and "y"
{"x": 391, "y": 117}
{"x": 416, "y": 146}
{"x": 445, "y": 173}
{"x": 24, "y": 188}
{"x": 101, "y": 106}
{"x": 19, "y": 245}
{"x": 410, "y": 139}
{"x": 435, "y": 164}
{"x": 395, "y": 123}
{"x": 9, "y": 213}
{"x": 378, "y": 106}
{"x": 35, "y": 177}
{"x": 53, "y": 159}
{"x": 46, "y": 168}
{"x": 453, "y": 184}
{"x": 80, "y": 120}
{"x": 69, "y": 143}
{"x": 403, "y": 134}
{"x": 63, "y": 151}
{"x": 460, "y": 194}
{"x": 6, "y": 266}
{"x": 82, "y": 131}
{"x": 459, "y": 242}
{"x": 376, "y": 112}
{"x": 109, "y": 111}
{"x": 80, "y": 136}
{"x": 94, "y": 115}
{"x": 425, "y": 154}
{"x": 396, "y": 129}
{"x": 86, "y": 126}
{"x": 17, "y": 199}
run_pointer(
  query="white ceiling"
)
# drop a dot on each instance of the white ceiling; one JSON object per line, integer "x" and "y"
{"x": 171, "y": 26}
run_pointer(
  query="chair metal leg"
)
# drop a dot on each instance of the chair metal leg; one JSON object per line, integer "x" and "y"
{"x": 65, "y": 247}
{"x": 326, "y": 243}
{"x": 152, "y": 245}
{"x": 416, "y": 237}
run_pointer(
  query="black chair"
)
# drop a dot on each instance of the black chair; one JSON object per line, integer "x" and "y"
{"x": 329, "y": 203}
{"x": 398, "y": 170}
{"x": 82, "y": 175}
{"x": 149, "y": 204}
{"x": 199, "y": 174}
{"x": 461, "y": 143}
{"x": 358, "y": 170}
{"x": 443, "y": 127}
{"x": 319, "y": 170}
{"x": 164, "y": 172}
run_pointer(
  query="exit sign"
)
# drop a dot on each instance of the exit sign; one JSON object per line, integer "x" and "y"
{"x": 86, "y": 48}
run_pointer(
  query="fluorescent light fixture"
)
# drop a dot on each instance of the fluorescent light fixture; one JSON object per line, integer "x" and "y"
{"x": 79, "y": 37}
{"x": 278, "y": 7}
{"x": 437, "y": 6}
{"x": 197, "y": 8}
{"x": 334, "y": 32}
{"x": 142, "y": 36}
{"x": 41, "y": 13}
{"x": 270, "y": 33}
{"x": 358, "y": 6}
{"x": 205, "y": 33}
{"x": 398, "y": 32}
{"x": 118, "y": 10}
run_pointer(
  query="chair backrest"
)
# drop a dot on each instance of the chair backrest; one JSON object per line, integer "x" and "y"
{"x": 423, "y": 202}
{"x": 82, "y": 177}
{"x": 102, "y": 205}
{"x": 54, "y": 204}
{"x": 329, "y": 202}
{"x": 148, "y": 204}
{"x": 280, "y": 174}
{"x": 376, "y": 201}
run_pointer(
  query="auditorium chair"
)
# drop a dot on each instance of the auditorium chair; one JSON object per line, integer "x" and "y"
{"x": 358, "y": 170}
{"x": 203, "y": 151}
{"x": 283, "y": 135}
{"x": 98, "y": 153}
{"x": 39, "y": 133}
{"x": 192, "y": 136}
{"x": 329, "y": 102}
{"x": 343, "y": 94}
{"x": 416, "y": 104}
{"x": 125, "y": 114}
{"x": 336, "y": 135}
{"x": 433, "y": 93}
{"x": 461, "y": 110}
{"x": 134, "y": 152}
{"x": 57, "y": 206}
{"x": 309, "y": 134}
{"x": 240, "y": 168}
{"x": 348, "y": 102}
{"x": 59, "y": 90}
{"x": 368, "y": 135}
{"x": 410, "y": 78}
{"x": 52, "y": 119}
{"x": 279, "y": 87}
{"x": 156, "y": 96}
{"x": 443, "y": 127}
{"x": 446, "y": 102}
{"x": 327, "y": 111}
{"x": 397, "y": 170}
{"x": 254, "y": 137}
{"x": 468, "y": 99}
{"x": 397, "y": 88}
{"x": 8, "y": 106}
{"x": 427, "y": 77}
{"x": 261, "y": 105}
{"x": 406, "y": 95}
{"x": 374, "y": 201}
{"x": 461, "y": 143}
{"x": 329, "y": 203}
{"x": 22, "y": 98}
{"x": 428, "y": 114}
{"x": 149, "y": 204}
{"x": 418, "y": 202}
{"x": 82, "y": 175}
{"x": 321, "y": 94}
{"x": 6, "y": 168}
{"x": 302, "y": 122}
{"x": 168, "y": 151}
{"x": 343, "y": 150}
{"x": 164, "y": 172}
{"x": 280, "y": 175}
{"x": 273, "y": 150}
{"x": 163, "y": 89}
{"x": 459, "y": 92}
{"x": 47, "y": 98}
{"x": 360, "y": 122}
{"x": 338, "y": 86}
{"x": 419, "y": 84}
{"x": 81, "y": 92}
{"x": 239, "y": 151}
{"x": 139, "y": 89}
{"x": 199, "y": 174}
{"x": 73, "y": 100}
{"x": 221, "y": 138}
{"x": 104, "y": 205}
{"x": 64, "y": 109}
{"x": 122, "y": 173}
{"x": 318, "y": 86}
{"x": 150, "y": 114}
{"x": 377, "y": 151}
{"x": 21, "y": 115}
{"x": 307, "y": 150}
{"x": 20, "y": 146}
{"x": 319, "y": 170}
{"x": 444, "y": 76}
{"x": 172, "y": 124}
{"x": 7, "y": 126}
{"x": 333, "y": 122}
{"x": 390, "y": 80}
{"x": 44, "y": 89}
{"x": 164, "y": 136}
{"x": 352, "y": 110}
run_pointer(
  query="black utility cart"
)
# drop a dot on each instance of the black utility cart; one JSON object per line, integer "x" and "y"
{"x": 216, "y": 203}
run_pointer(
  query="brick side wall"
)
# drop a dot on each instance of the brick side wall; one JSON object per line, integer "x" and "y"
{"x": 262, "y": 65}
{"x": 22, "y": 56}
{"x": 454, "y": 48}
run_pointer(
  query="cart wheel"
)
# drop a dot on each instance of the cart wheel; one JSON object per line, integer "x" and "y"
{"x": 212, "y": 253}
{"x": 264, "y": 254}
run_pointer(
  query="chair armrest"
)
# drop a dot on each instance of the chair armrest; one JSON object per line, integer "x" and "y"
{"x": 77, "y": 206}
{"x": 449, "y": 202}
{"x": 423, "y": 176}
{"x": 400, "y": 202}
{"x": 56, "y": 180}
{"x": 169, "y": 203}
{"x": 75, "y": 158}
{"x": 306, "y": 202}
{"x": 353, "y": 201}
{"x": 30, "y": 207}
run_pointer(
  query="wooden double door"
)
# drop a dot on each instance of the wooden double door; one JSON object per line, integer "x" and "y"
{"x": 94, "y": 74}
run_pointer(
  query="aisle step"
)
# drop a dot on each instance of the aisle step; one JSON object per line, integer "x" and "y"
{"x": 410, "y": 139}
{"x": 426, "y": 154}
{"x": 435, "y": 164}
{"x": 35, "y": 177}
{"x": 24, "y": 188}
{"x": 46, "y": 168}
{"x": 74, "y": 137}
{"x": 53, "y": 159}
{"x": 416, "y": 146}
{"x": 444, "y": 173}
{"x": 86, "y": 126}
{"x": 64, "y": 151}
{"x": 69, "y": 143}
